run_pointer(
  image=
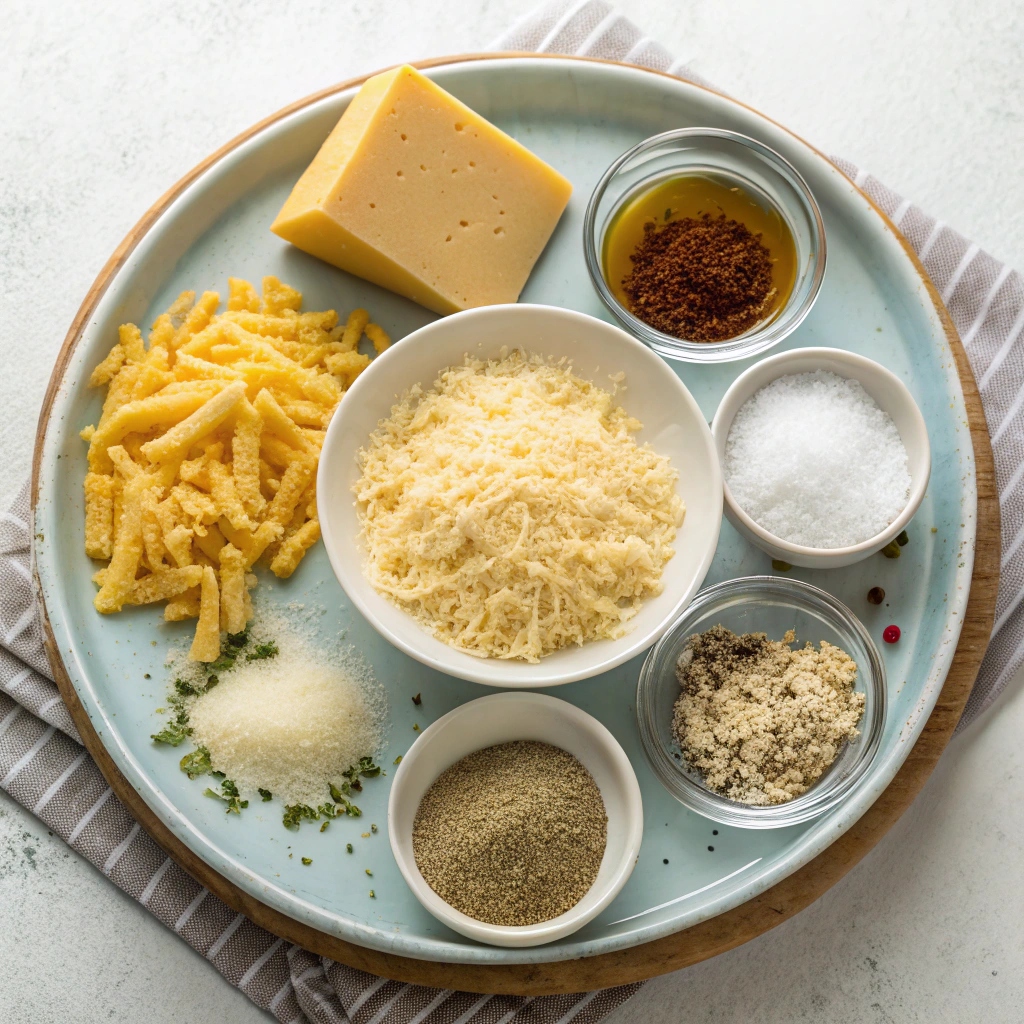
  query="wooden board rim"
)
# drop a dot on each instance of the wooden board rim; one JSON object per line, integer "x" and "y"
{"x": 672, "y": 952}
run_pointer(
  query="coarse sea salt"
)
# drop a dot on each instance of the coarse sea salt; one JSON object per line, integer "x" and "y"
{"x": 812, "y": 459}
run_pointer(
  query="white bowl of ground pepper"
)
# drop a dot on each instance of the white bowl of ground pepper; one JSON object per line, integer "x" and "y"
{"x": 517, "y": 807}
{"x": 745, "y": 723}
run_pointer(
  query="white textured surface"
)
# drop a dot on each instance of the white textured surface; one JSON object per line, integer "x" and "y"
{"x": 103, "y": 106}
{"x": 802, "y": 446}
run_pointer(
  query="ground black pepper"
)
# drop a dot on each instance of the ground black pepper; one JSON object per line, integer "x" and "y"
{"x": 512, "y": 834}
{"x": 700, "y": 278}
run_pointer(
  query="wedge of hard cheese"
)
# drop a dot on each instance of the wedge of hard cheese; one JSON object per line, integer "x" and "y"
{"x": 414, "y": 191}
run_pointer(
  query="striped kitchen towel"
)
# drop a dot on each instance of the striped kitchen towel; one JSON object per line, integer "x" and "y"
{"x": 44, "y": 767}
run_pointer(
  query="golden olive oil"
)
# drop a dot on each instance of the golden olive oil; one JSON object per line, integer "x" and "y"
{"x": 692, "y": 195}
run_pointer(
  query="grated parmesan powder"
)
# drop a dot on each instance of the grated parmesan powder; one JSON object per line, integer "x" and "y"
{"x": 813, "y": 459}
{"x": 290, "y": 724}
{"x": 511, "y": 511}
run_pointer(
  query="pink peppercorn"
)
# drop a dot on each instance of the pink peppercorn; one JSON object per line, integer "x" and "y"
{"x": 891, "y": 634}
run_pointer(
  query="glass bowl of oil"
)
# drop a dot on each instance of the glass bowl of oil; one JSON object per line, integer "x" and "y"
{"x": 667, "y": 210}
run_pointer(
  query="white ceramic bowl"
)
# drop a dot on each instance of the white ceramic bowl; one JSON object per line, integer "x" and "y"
{"x": 502, "y": 718}
{"x": 673, "y": 425}
{"x": 886, "y": 389}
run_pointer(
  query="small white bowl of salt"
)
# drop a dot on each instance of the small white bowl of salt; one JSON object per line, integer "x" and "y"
{"x": 825, "y": 456}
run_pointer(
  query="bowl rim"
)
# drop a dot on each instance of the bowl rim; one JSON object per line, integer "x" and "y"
{"x": 572, "y": 920}
{"x": 816, "y": 801}
{"x": 467, "y": 666}
{"x": 755, "y": 341}
{"x": 721, "y": 425}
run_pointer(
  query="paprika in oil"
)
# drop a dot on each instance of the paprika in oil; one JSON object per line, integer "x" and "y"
{"x": 698, "y": 257}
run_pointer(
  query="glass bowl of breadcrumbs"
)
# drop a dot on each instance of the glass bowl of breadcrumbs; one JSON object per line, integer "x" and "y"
{"x": 764, "y": 704}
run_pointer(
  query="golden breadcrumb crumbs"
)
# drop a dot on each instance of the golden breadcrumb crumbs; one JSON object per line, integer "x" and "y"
{"x": 760, "y": 721}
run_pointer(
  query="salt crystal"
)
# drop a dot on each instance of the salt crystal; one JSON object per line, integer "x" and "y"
{"x": 812, "y": 459}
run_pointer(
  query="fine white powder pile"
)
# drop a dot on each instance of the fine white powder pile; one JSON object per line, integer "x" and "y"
{"x": 293, "y": 723}
{"x": 812, "y": 459}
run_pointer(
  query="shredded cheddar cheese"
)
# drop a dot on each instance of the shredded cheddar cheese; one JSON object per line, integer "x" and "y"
{"x": 511, "y": 511}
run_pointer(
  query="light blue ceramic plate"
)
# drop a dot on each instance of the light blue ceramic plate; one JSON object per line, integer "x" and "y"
{"x": 578, "y": 116}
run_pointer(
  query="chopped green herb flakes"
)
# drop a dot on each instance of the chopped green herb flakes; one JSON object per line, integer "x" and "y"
{"x": 295, "y": 813}
{"x": 196, "y": 763}
{"x": 367, "y": 768}
{"x": 262, "y": 651}
{"x": 173, "y": 734}
{"x": 229, "y": 794}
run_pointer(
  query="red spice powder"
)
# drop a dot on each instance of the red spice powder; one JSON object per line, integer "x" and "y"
{"x": 700, "y": 278}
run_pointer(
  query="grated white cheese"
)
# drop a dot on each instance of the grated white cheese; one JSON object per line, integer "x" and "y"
{"x": 511, "y": 511}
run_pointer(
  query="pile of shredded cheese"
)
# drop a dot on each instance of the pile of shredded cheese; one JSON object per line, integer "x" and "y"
{"x": 511, "y": 511}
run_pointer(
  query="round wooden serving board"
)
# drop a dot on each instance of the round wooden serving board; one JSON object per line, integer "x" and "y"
{"x": 671, "y": 952}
